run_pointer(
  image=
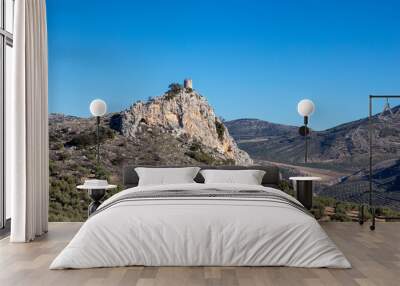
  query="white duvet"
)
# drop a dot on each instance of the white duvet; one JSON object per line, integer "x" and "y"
{"x": 200, "y": 231}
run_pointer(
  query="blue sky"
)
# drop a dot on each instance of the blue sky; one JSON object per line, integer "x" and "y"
{"x": 251, "y": 59}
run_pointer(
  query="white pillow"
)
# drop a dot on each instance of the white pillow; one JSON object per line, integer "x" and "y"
{"x": 165, "y": 176}
{"x": 248, "y": 177}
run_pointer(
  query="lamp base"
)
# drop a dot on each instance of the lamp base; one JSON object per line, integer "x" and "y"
{"x": 96, "y": 195}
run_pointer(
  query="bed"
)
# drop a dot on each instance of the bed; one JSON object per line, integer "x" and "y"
{"x": 198, "y": 224}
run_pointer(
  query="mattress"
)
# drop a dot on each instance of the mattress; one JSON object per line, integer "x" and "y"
{"x": 201, "y": 225}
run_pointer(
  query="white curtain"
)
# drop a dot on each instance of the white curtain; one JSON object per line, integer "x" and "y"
{"x": 27, "y": 150}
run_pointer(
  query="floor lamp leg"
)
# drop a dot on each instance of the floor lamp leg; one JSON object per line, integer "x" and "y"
{"x": 372, "y": 227}
{"x": 361, "y": 214}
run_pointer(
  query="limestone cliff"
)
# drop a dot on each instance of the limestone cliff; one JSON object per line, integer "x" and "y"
{"x": 183, "y": 113}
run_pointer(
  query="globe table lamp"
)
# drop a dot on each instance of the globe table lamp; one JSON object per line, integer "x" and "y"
{"x": 305, "y": 108}
{"x": 98, "y": 108}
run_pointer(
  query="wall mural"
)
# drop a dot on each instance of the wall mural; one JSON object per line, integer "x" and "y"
{"x": 251, "y": 63}
{"x": 180, "y": 127}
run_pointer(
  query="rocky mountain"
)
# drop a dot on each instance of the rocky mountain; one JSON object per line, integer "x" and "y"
{"x": 177, "y": 128}
{"x": 344, "y": 146}
{"x": 182, "y": 113}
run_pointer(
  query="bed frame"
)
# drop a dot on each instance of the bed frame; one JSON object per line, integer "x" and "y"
{"x": 272, "y": 177}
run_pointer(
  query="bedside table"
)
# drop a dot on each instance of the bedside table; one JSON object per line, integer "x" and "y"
{"x": 96, "y": 193}
{"x": 303, "y": 189}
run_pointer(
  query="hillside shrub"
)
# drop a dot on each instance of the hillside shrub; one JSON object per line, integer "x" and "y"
{"x": 62, "y": 156}
{"x": 285, "y": 186}
{"x": 101, "y": 173}
{"x": 174, "y": 90}
{"x": 220, "y": 129}
{"x": 175, "y": 87}
{"x": 324, "y": 201}
{"x": 195, "y": 146}
{"x": 318, "y": 211}
{"x": 52, "y": 168}
{"x": 89, "y": 139}
{"x": 201, "y": 157}
{"x": 56, "y": 146}
{"x": 386, "y": 212}
{"x": 228, "y": 162}
{"x": 340, "y": 217}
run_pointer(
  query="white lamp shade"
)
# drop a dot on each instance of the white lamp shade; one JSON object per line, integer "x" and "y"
{"x": 305, "y": 107}
{"x": 98, "y": 107}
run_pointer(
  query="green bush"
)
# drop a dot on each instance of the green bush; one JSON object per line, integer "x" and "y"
{"x": 195, "y": 146}
{"x": 318, "y": 211}
{"x": 174, "y": 89}
{"x": 82, "y": 140}
{"x": 66, "y": 202}
{"x": 285, "y": 186}
{"x": 90, "y": 139}
{"x": 340, "y": 217}
{"x": 56, "y": 146}
{"x": 201, "y": 157}
{"x": 52, "y": 168}
{"x": 62, "y": 156}
{"x": 386, "y": 212}
{"x": 220, "y": 129}
{"x": 101, "y": 173}
{"x": 324, "y": 201}
{"x": 230, "y": 162}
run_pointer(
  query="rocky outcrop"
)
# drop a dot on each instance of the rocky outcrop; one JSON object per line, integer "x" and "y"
{"x": 183, "y": 113}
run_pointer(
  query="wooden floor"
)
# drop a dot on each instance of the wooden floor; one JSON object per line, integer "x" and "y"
{"x": 375, "y": 257}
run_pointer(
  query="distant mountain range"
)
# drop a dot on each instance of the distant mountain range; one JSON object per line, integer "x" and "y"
{"x": 254, "y": 129}
{"x": 343, "y": 148}
{"x": 346, "y": 144}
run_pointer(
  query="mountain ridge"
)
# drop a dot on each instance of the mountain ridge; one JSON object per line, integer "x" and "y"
{"x": 343, "y": 148}
{"x": 346, "y": 143}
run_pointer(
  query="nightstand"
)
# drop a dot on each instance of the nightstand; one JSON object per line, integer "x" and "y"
{"x": 96, "y": 193}
{"x": 303, "y": 189}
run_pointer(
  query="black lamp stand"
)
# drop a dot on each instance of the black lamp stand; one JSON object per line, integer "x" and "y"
{"x": 305, "y": 131}
{"x": 306, "y": 138}
{"x": 98, "y": 140}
